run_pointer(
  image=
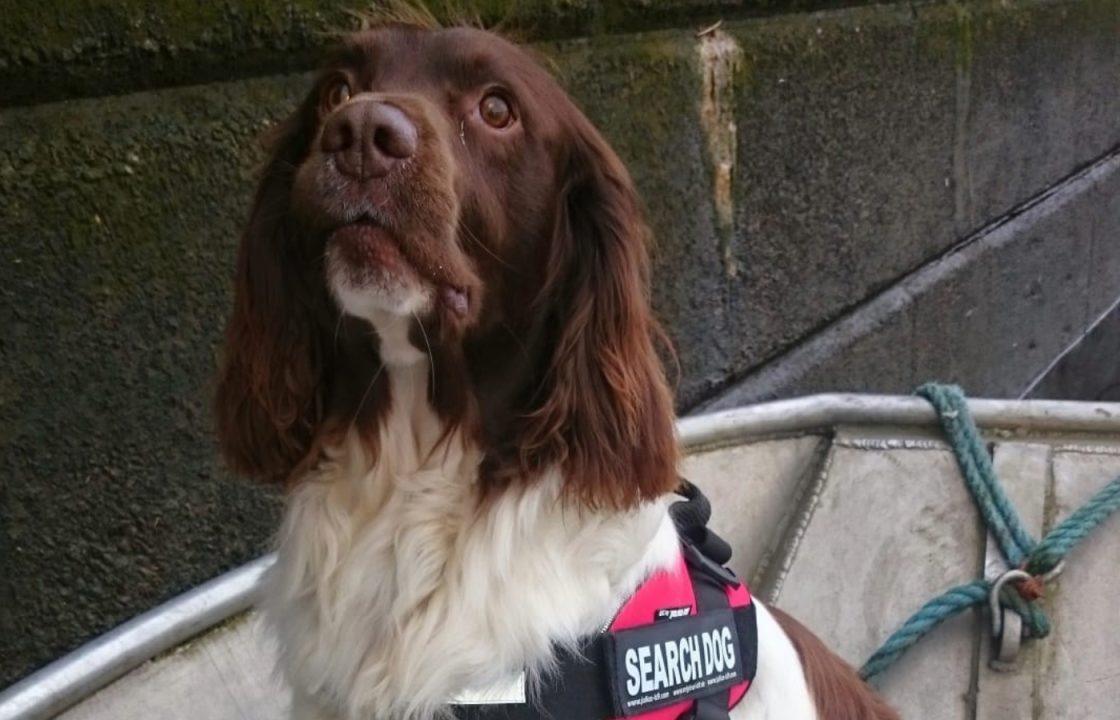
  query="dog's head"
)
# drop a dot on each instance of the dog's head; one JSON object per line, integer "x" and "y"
{"x": 438, "y": 185}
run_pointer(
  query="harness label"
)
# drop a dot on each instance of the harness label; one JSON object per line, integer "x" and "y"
{"x": 669, "y": 662}
{"x": 672, "y": 613}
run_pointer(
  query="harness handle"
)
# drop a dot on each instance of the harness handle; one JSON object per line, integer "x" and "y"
{"x": 691, "y": 517}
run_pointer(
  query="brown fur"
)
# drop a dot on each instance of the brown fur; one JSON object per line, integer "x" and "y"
{"x": 556, "y": 362}
{"x": 837, "y": 690}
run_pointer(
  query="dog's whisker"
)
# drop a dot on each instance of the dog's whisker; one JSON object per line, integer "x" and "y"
{"x": 470, "y": 234}
{"x": 520, "y": 343}
{"x": 365, "y": 396}
{"x": 337, "y": 330}
{"x": 431, "y": 357}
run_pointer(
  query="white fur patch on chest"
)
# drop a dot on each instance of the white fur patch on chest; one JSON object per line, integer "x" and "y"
{"x": 395, "y": 589}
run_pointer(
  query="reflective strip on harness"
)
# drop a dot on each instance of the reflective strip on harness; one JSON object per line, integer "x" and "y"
{"x": 672, "y": 661}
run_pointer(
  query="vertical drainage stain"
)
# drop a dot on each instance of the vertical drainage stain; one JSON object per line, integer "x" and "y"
{"x": 963, "y": 201}
{"x": 720, "y": 60}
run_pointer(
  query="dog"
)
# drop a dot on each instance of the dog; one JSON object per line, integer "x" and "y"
{"x": 441, "y": 346}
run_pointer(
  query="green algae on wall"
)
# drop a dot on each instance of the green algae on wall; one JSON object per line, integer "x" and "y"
{"x": 119, "y": 222}
{"x": 55, "y": 49}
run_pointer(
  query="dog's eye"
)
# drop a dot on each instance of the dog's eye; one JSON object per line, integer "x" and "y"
{"x": 495, "y": 111}
{"x": 337, "y": 93}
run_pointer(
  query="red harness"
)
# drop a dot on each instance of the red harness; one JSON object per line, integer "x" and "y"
{"x": 672, "y": 590}
{"x": 683, "y": 647}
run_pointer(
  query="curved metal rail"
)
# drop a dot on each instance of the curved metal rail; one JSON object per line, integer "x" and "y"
{"x": 823, "y": 411}
{"x": 101, "y": 661}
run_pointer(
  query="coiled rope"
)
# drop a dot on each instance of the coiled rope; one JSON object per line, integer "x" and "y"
{"x": 1019, "y": 549}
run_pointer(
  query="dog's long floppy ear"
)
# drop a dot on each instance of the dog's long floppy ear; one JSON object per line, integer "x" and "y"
{"x": 604, "y": 411}
{"x": 267, "y": 405}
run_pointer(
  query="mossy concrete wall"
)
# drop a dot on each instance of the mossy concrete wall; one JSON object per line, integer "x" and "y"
{"x": 60, "y": 49}
{"x": 807, "y": 175}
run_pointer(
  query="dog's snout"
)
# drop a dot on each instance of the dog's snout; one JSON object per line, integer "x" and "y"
{"x": 368, "y": 137}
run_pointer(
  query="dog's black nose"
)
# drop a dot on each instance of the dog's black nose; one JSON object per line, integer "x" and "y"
{"x": 368, "y": 137}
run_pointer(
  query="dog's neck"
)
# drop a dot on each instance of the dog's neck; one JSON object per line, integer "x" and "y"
{"x": 396, "y": 588}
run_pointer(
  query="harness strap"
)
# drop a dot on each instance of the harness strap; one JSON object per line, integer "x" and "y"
{"x": 711, "y": 596}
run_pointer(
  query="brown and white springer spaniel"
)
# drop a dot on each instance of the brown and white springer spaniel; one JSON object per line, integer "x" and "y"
{"x": 441, "y": 344}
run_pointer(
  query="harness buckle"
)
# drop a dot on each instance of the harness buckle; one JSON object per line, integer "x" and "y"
{"x": 706, "y": 565}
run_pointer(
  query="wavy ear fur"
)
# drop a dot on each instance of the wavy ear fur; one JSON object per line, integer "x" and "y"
{"x": 604, "y": 411}
{"x": 268, "y": 403}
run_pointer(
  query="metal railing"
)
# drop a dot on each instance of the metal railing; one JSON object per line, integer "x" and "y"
{"x": 83, "y": 672}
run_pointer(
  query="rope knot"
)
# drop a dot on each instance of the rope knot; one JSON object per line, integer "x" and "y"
{"x": 1030, "y": 589}
{"x": 1033, "y": 563}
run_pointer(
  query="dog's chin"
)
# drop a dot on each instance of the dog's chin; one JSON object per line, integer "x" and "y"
{"x": 371, "y": 280}
{"x": 370, "y": 277}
